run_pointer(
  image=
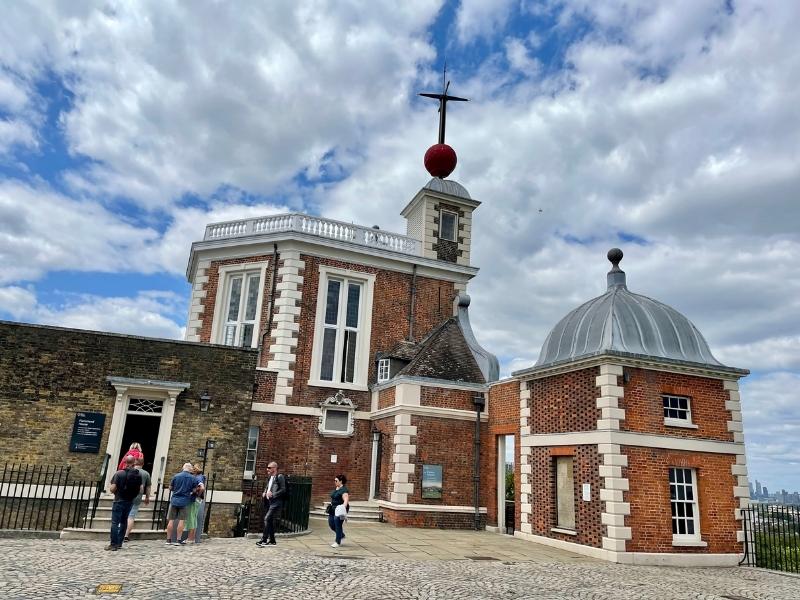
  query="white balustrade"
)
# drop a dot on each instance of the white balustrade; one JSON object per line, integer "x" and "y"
{"x": 316, "y": 226}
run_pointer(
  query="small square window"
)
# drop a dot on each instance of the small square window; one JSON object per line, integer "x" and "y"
{"x": 448, "y": 225}
{"x": 383, "y": 370}
{"x": 677, "y": 409}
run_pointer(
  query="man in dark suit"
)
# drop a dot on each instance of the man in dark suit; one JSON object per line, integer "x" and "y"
{"x": 273, "y": 496}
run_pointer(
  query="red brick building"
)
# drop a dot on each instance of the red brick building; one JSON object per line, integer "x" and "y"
{"x": 367, "y": 360}
{"x": 631, "y": 436}
{"x": 625, "y": 439}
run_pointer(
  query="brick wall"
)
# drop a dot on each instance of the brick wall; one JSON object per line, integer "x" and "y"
{"x": 565, "y": 402}
{"x": 543, "y": 495}
{"x": 387, "y": 428}
{"x": 503, "y": 413}
{"x": 47, "y": 374}
{"x": 264, "y": 386}
{"x": 447, "y": 398}
{"x": 450, "y": 443}
{"x": 432, "y": 520}
{"x": 294, "y": 442}
{"x": 386, "y": 398}
{"x": 650, "y": 518}
{"x": 389, "y": 320}
{"x": 644, "y": 410}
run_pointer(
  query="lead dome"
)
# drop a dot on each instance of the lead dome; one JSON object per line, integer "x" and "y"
{"x": 625, "y": 323}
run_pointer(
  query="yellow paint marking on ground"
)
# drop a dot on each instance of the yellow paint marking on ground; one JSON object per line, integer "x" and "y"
{"x": 108, "y": 588}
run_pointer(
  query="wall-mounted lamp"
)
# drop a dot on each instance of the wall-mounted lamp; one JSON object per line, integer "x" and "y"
{"x": 205, "y": 401}
{"x": 376, "y": 435}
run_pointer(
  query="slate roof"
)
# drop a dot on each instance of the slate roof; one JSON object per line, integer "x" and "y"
{"x": 444, "y": 354}
{"x": 450, "y": 352}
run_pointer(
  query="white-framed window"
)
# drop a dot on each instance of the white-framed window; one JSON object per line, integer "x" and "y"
{"x": 238, "y": 305}
{"x": 340, "y": 357}
{"x": 448, "y": 225}
{"x": 337, "y": 418}
{"x": 383, "y": 370}
{"x": 252, "y": 451}
{"x": 683, "y": 501}
{"x": 677, "y": 410}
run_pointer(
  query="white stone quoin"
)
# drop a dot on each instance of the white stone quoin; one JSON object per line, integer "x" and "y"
{"x": 288, "y": 292}
{"x": 615, "y": 509}
{"x": 404, "y": 449}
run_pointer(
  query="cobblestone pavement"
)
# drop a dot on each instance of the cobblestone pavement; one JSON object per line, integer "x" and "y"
{"x": 236, "y": 568}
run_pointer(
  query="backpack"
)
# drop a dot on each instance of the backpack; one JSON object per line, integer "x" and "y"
{"x": 128, "y": 488}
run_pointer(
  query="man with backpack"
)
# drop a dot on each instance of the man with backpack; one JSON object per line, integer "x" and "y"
{"x": 126, "y": 484}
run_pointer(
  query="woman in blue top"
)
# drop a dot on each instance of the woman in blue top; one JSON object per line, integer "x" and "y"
{"x": 339, "y": 497}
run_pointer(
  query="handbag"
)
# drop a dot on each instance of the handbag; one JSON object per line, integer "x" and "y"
{"x": 341, "y": 511}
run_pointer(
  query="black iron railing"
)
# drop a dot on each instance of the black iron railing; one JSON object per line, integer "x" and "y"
{"x": 101, "y": 482}
{"x": 510, "y": 511}
{"x": 772, "y": 537}
{"x": 42, "y": 498}
{"x": 293, "y": 519}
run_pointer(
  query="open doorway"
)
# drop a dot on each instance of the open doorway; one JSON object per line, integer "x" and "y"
{"x": 505, "y": 484}
{"x": 143, "y": 429}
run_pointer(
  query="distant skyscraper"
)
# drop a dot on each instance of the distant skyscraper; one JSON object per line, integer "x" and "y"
{"x": 759, "y": 492}
{"x": 766, "y": 491}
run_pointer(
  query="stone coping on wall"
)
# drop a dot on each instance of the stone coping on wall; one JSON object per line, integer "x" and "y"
{"x": 666, "y": 559}
{"x": 430, "y": 507}
{"x": 629, "y": 359}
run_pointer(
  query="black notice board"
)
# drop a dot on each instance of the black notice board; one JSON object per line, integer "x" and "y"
{"x": 86, "y": 432}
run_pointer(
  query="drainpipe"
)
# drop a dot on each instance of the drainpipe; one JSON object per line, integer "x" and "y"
{"x": 411, "y": 301}
{"x": 480, "y": 402}
{"x": 268, "y": 328}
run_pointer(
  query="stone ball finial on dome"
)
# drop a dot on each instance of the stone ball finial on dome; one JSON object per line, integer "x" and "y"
{"x": 616, "y": 276}
{"x": 615, "y": 256}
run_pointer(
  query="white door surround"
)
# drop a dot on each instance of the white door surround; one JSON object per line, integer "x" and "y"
{"x": 501, "y": 483}
{"x": 166, "y": 391}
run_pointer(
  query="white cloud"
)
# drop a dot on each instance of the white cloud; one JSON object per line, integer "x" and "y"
{"x": 242, "y": 96}
{"x": 42, "y": 230}
{"x": 481, "y": 18}
{"x": 17, "y": 301}
{"x": 148, "y": 313}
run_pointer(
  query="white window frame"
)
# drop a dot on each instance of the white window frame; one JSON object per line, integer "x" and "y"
{"x": 337, "y": 403}
{"x": 678, "y": 421}
{"x": 455, "y": 224}
{"x": 249, "y": 473}
{"x": 362, "y": 360}
{"x": 225, "y": 275}
{"x": 686, "y": 538}
{"x": 384, "y": 370}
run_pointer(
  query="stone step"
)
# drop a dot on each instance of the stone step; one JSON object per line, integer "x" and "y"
{"x": 98, "y": 533}
{"x": 105, "y": 511}
{"x": 105, "y": 523}
{"x": 359, "y": 511}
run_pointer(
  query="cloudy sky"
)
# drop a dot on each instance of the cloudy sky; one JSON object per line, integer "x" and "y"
{"x": 669, "y": 129}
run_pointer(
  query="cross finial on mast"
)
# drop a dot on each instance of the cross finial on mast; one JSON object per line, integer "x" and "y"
{"x": 443, "y": 99}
